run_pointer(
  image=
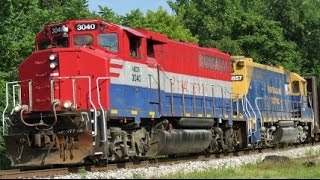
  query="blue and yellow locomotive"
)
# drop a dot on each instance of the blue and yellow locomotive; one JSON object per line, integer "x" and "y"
{"x": 274, "y": 102}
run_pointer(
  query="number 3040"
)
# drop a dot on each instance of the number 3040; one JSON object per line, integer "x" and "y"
{"x": 83, "y": 27}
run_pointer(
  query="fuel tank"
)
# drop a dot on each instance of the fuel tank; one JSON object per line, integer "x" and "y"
{"x": 179, "y": 141}
{"x": 286, "y": 134}
{"x": 196, "y": 122}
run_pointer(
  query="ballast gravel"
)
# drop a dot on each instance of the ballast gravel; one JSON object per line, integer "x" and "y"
{"x": 187, "y": 167}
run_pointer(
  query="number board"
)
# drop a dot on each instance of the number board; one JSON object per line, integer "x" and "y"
{"x": 56, "y": 29}
{"x": 86, "y": 26}
{"x": 236, "y": 78}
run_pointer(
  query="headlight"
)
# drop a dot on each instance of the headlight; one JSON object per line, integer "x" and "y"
{"x": 17, "y": 108}
{"x": 65, "y": 29}
{"x": 53, "y": 65}
{"x": 67, "y": 104}
{"x": 52, "y": 57}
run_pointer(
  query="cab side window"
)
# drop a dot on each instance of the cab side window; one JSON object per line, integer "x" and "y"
{"x": 295, "y": 87}
{"x": 150, "y": 49}
{"x": 134, "y": 45}
{"x": 109, "y": 41}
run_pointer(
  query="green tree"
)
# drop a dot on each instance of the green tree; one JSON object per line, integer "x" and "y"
{"x": 239, "y": 27}
{"x": 109, "y": 15}
{"x": 160, "y": 21}
{"x": 134, "y": 18}
{"x": 301, "y": 23}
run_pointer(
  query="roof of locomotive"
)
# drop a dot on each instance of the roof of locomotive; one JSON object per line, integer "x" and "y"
{"x": 100, "y": 22}
{"x": 249, "y": 62}
{"x": 141, "y": 32}
{"x": 278, "y": 69}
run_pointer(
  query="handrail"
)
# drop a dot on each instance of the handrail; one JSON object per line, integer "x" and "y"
{"x": 183, "y": 100}
{"x": 100, "y": 105}
{"x": 171, "y": 87}
{"x": 310, "y": 102}
{"x": 204, "y": 100}
{"x": 74, "y": 93}
{"x": 88, "y": 119}
{"x": 244, "y": 109}
{"x": 224, "y": 89}
{"x": 41, "y": 123}
{"x": 164, "y": 72}
{"x": 13, "y": 94}
{"x": 7, "y": 100}
{"x": 150, "y": 75}
{"x": 90, "y": 95}
{"x": 213, "y": 100}
{"x": 254, "y": 113}
{"x": 289, "y": 110}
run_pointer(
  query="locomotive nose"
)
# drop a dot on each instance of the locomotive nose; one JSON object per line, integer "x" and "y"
{"x": 34, "y": 73}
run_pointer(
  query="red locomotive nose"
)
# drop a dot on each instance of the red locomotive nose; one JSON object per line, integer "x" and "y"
{"x": 34, "y": 73}
{"x": 62, "y": 76}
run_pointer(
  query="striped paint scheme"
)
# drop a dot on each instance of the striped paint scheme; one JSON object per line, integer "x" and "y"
{"x": 196, "y": 93}
{"x": 181, "y": 83}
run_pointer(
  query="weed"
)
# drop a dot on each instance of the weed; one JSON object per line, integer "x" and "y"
{"x": 295, "y": 168}
{"x": 311, "y": 152}
{"x": 137, "y": 176}
{"x": 83, "y": 174}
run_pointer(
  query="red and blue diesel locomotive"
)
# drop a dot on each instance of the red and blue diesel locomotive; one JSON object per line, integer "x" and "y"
{"x": 94, "y": 90}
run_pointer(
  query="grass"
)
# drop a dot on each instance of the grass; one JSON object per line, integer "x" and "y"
{"x": 4, "y": 162}
{"x": 137, "y": 176}
{"x": 311, "y": 152}
{"x": 292, "y": 169}
{"x": 83, "y": 174}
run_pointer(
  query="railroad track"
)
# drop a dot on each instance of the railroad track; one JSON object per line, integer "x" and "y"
{"x": 19, "y": 174}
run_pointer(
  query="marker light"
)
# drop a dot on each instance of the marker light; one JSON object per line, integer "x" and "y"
{"x": 65, "y": 29}
{"x": 53, "y": 65}
{"x": 52, "y": 57}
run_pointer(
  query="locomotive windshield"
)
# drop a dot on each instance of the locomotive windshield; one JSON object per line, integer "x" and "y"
{"x": 109, "y": 41}
{"x": 58, "y": 41}
{"x": 83, "y": 39}
{"x": 45, "y": 44}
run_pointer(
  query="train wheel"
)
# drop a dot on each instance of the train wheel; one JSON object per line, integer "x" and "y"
{"x": 134, "y": 159}
{"x": 231, "y": 139}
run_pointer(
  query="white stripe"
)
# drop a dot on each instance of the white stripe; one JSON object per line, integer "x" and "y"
{"x": 117, "y": 61}
{"x": 202, "y": 85}
{"x": 115, "y": 70}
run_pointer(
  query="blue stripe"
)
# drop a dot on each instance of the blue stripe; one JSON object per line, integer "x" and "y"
{"x": 125, "y": 98}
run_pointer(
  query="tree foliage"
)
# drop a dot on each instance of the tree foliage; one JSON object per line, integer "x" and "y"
{"x": 239, "y": 27}
{"x": 109, "y": 15}
{"x": 160, "y": 21}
